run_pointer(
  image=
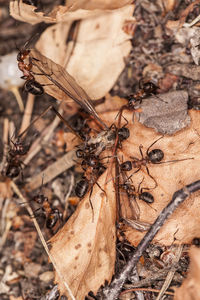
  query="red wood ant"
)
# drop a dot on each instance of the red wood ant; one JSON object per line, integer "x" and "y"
{"x": 154, "y": 156}
{"x": 52, "y": 215}
{"x": 134, "y": 194}
{"x": 146, "y": 89}
{"x": 14, "y": 163}
{"x": 31, "y": 85}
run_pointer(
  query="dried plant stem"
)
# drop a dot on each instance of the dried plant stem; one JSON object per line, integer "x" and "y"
{"x": 30, "y": 211}
{"x": 27, "y": 113}
{"x": 59, "y": 166}
{"x": 15, "y": 91}
{"x": 144, "y": 290}
{"x": 112, "y": 292}
{"x": 45, "y": 136}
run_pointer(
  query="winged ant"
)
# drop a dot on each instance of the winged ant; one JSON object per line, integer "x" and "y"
{"x": 92, "y": 146}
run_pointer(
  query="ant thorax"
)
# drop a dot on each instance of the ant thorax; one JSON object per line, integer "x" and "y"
{"x": 103, "y": 140}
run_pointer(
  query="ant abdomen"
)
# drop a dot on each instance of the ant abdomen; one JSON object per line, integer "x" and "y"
{"x": 155, "y": 156}
{"x": 33, "y": 87}
{"x": 146, "y": 197}
{"x": 81, "y": 188}
{"x": 53, "y": 217}
{"x": 123, "y": 133}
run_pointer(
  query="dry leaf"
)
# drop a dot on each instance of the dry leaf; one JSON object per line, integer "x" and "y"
{"x": 190, "y": 289}
{"x": 169, "y": 176}
{"x": 75, "y": 11}
{"x": 84, "y": 249}
{"x": 96, "y": 57}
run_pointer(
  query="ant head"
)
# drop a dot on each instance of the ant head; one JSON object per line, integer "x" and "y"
{"x": 40, "y": 199}
{"x": 12, "y": 171}
{"x": 22, "y": 55}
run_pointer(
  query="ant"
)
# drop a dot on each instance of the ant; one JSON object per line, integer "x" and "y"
{"x": 91, "y": 175}
{"x": 14, "y": 163}
{"x": 154, "y": 156}
{"x": 146, "y": 89}
{"x": 31, "y": 85}
{"x": 52, "y": 214}
{"x": 133, "y": 195}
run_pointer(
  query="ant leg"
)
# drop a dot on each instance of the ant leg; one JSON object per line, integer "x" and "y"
{"x": 172, "y": 161}
{"x": 133, "y": 173}
{"x": 65, "y": 122}
{"x": 159, "y": 98}
{"x": 140, "y": 148}
{"x": 101, "y": 189}
{"x": 90, "y": 200}
{"x": 37, "y": 118}
{"x": 147, "y": 152}
{"x": 140, "y": 190}
{"x": 156, "y": 184}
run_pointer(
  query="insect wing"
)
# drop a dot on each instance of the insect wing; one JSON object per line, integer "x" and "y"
{"x": 63, "y": 83}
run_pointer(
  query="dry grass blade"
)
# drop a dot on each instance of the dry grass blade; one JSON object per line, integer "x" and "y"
{"x": 60, "y": 84}
{"x": 58, "y": 167}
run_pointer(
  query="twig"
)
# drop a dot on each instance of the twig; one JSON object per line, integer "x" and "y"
{"x": 30, "y": 211}
{"x": 112, "y": 292}
{"x": 145, "y": 290}
{"x": 15, "y": 91}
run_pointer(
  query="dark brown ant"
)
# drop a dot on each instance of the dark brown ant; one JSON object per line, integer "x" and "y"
{"x": 92, "y": 173}
{"x": 52, "y": 214}
{"x": 31, "y": 85}
{"x": 14, "y": 162}
{"x": 154, "y": 156}
{"x": 132, "y": 193}
{"x": 146, "y": 89}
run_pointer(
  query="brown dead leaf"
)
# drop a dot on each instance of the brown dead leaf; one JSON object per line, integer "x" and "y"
{"x": 169, "y": 176}
{"x": 176, "y": 25}
{"x": 190, "y": 289}
{"x": 72, "y": 11}
{"x": 84, "y": 249}
{"x": 96, "y": 56}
